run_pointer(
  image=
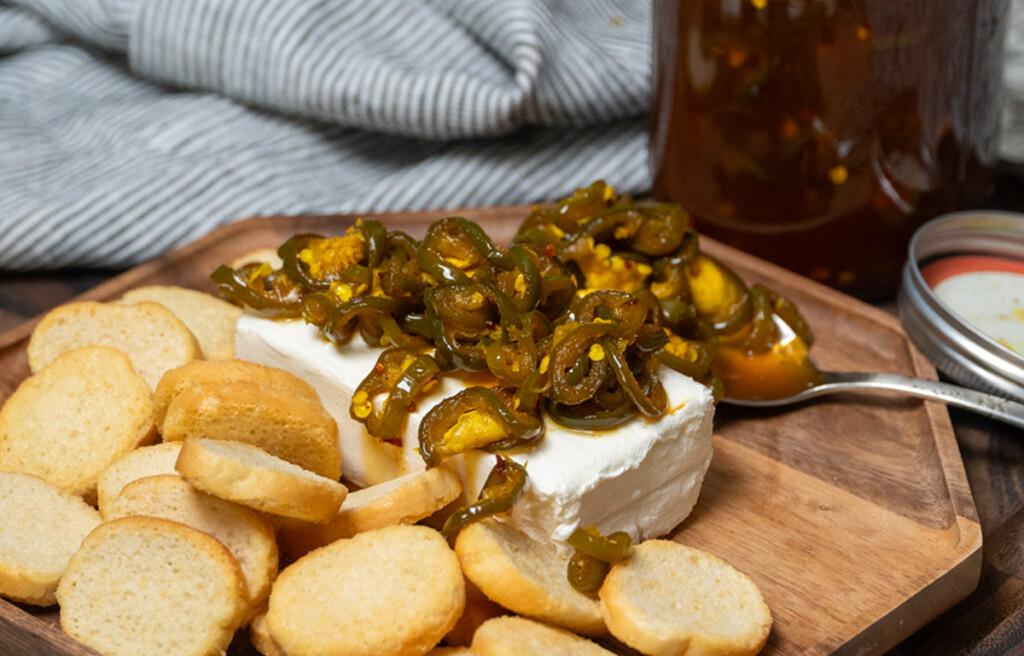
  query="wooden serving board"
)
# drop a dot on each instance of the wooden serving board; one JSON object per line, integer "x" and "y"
{"x": 852, "y": 514}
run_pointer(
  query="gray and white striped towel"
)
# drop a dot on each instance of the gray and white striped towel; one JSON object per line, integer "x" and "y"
{"x": 128, "y": 127}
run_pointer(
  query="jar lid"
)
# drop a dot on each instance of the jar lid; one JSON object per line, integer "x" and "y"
{"x": 962, "y": 298}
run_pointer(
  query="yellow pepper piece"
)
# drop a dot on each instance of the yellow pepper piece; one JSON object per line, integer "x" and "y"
{"x": 473, "y": 429}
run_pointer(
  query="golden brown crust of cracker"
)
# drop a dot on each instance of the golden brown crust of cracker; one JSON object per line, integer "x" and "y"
{"x": 290, "y": 427}
{"x": 141, "y": 462}
{"x": 260, "y": 637}
{"x": 206, "y": 372}
{"x": 245, "y": 474}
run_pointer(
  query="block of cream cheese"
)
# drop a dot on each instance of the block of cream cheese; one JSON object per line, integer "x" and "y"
{"x": 642, "y": 477}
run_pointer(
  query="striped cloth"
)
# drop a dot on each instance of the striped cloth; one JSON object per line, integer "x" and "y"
{"x": 128, "y": 127}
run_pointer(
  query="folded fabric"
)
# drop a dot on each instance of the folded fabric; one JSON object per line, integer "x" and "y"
{"x": 128, "y": 127}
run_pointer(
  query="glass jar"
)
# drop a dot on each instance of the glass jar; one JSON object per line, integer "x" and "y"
{"x": 819, "y": 134}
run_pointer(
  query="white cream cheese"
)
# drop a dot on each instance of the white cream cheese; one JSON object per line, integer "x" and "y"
{"x": 642, "y": 477}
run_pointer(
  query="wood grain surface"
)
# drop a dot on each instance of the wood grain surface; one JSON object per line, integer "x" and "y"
{"x": 852, "y": 514}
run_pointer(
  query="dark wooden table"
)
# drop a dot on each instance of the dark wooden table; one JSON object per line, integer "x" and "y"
{"x": 990, "y": 621}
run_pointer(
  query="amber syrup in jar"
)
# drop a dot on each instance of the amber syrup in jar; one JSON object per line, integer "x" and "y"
{"x": 819, "y": 134}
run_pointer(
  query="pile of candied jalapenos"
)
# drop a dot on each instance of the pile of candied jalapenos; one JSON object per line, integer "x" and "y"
{"x": 573, "y": 321}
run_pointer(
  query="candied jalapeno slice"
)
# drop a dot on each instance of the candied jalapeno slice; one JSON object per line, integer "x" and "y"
{"x": 457, "y": 250}
{"x": 761, "y": 328}
{"x": 401, "y": 374}
{"x": 504, "y": 485}
{"x": 577, "y": 368}
{"x": 465, "y": 318}
{"x": 718, "y": 294}
{"x": 586, "y": 574}
{"x": 567, "y": 214}
{"x": 690, "y": 356}
{"x": 260, "y": 287}
{"x": 611, "y": 548}
{"x": 476, "y": 418}
{"x": 591, "y": 414}
{"x": 593, "y": 556}
{"x": 651, "y": 401}
{"x": 315, "y": 261}
{"x": 662, "y": 231}
{"x": 523, "y": 283}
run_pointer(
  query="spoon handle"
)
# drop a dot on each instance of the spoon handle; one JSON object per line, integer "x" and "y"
{"x": 989, "y": 405}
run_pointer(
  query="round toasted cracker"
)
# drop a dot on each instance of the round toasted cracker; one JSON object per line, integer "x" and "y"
{"x": 252, "y": 477}
{"x": 281, "y": 423}
{"x": 154, "y": 338}
{"x": 79, "y": 414}
{"x": 209, "y": 318}
{"x": 394, "y": 591}
{"x": 41, "y": 527}
{"x": 245, "y": 533}
{"x": 672, "y": 599}
{"x": 207, "y": 372}
{"x": 142, "y": 585}
{"x": 526, "y": 576}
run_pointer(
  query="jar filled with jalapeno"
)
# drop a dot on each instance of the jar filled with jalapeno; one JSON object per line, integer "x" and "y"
{"x": 820, "y": 134}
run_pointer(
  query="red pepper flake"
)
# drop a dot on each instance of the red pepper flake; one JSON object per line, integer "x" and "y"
{"x": 549, "y": 250}
{"x": 490, "y": 325}
{"x": 411, "y": 407}
{"x": 631, "y": 302}
{"x": 499, "y": 468}
{"x": 628, "y": 263}
{"x": 378, "y": 368}
{"x": 395, "y": 441}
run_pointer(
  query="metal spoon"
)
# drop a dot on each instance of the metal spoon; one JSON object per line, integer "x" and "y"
{"x": 833, "y": 382}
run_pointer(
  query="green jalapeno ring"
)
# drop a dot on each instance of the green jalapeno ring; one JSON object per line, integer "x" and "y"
{"x": 586, "y": 574}
{"x": 519, "y": 428}
{"x": 234, "y": 285}
{"x": 588, "y": 415}
{"x": 505, "y": 484}
{"x": 289, "y": 254}
{"x": 652, "y": 405}
{"x": 402, "y": 385}
{"x": 593, "y": 556}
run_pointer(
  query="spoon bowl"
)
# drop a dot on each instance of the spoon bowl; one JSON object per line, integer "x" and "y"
{"x": 836, "y": 382}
